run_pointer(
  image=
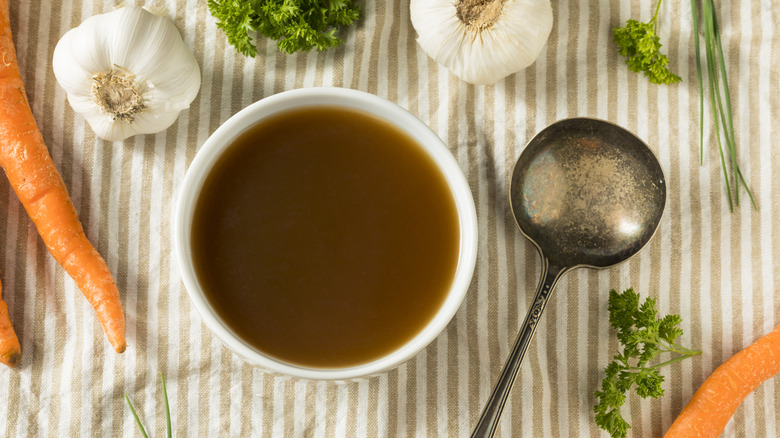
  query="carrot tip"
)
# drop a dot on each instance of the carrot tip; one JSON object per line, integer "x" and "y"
{"x": 118, "y": 342}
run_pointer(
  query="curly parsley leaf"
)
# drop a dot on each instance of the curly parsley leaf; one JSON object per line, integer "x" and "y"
{"x": 641, "y": 46}
{"x": 296, "y": 25}
{"x": 643, "y": 336}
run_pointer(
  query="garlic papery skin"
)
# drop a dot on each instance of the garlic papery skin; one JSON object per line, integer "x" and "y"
{"x": 126, "y": 72}
{"x": 482, "y": 41}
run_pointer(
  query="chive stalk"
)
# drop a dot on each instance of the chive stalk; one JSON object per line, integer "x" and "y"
{"x": 720, "y": 100}
{"x": 169, "y": 431}
{"x": 167, "y": 409}
{"x": 701, "y": 82}
{"x": 137, "y": 420}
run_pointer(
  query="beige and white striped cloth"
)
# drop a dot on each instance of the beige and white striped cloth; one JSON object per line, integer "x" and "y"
{"x": 720, "y": 271}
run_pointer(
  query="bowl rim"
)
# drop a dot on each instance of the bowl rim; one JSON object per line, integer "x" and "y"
{"x": 392, "y": 113}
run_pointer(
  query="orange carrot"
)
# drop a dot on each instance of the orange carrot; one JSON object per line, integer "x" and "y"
{"x": 711, "y": 408}
{"x": 39, "y": 186}
{"x": 10, "y": 351}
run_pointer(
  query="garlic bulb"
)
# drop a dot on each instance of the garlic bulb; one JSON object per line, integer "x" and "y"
{"x": 482, "y": 41}
{"x": 127, "y": 72}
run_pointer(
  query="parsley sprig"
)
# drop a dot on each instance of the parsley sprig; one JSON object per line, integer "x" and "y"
{"x": 641, "y": 46}
{"x": 643, "y": 336}
{"x": 297, "y": 25}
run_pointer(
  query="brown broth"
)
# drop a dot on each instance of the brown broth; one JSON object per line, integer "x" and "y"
{"x": 325, "y": 237}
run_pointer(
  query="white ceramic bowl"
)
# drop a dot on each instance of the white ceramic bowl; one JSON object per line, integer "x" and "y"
{"x": 368, "y": 103}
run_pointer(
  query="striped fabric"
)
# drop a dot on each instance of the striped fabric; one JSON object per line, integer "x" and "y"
{"x": 720, "y": 271}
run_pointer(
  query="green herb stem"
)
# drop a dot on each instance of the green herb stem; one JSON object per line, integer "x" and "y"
{"x": 730, "y": 120}
{"x": 695, "y": 15}
{"x": 682, "y": 356}
{"x": 676, "y": 359}
{"x": 653, "y": 21}
{"x": 726, "y": 116}
{"x": 720, "y": 101}
{"x": 675, "y": 348}
{"x": 666, "y": 347}
{"x": 168, "y": 428}
{"x": 717, "y": 102}
{"x": 137, "y": 420}
{"x": 714, "y": 90}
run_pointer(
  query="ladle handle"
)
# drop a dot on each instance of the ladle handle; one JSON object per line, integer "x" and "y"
{"x": 488, "y": 422}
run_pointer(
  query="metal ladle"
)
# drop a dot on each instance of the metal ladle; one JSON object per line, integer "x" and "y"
{"x": 588, "y": 194}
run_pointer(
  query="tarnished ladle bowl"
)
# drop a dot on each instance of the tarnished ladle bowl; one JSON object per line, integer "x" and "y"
{"x": 588, "y": 194}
